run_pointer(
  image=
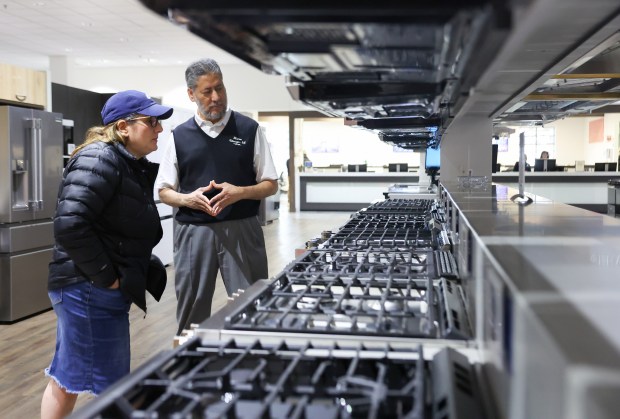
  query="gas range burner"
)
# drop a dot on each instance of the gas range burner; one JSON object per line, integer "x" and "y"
{"x": 393, "y": 224}
{"x": 388, "y": 221}
{"x": 400, "y": 206}
{"x": 366, "y": 264}
{"x": 381, "y": 239}
{"x": 230, "y": 380}
{"x": 329, "y": 304}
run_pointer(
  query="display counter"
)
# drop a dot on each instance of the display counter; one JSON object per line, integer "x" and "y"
{"x": 345, "y": 191}
{"x": 350, "y": 191}
{"x": 545, "y": 280}
{"x": 583, "y": 189}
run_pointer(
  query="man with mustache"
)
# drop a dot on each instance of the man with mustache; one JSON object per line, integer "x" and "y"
{"x": 215, "y": 170}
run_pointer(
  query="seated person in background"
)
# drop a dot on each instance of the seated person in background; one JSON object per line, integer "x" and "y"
{"x": 544, "y": 155}
{"x": 528, "y": 168}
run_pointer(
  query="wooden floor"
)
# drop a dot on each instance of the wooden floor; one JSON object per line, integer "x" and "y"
{"x": 26, "y": 347}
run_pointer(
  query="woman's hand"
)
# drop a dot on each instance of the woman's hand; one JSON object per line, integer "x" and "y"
{"x": 115, "y": 285}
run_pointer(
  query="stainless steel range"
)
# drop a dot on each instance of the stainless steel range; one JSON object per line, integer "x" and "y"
{"x": 353, "y": 299}
{"x": 394, "y": 224}
{"x": 215, "y": 380}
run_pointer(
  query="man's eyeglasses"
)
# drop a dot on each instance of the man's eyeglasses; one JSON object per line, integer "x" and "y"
{"x": 152, "y": 121}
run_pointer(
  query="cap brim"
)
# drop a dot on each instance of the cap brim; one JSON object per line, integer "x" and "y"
{"x": 158, "y": 111}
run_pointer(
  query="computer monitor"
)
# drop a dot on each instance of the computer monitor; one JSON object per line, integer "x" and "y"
{"x": 356, "y": 168}
{"x": 605, "y": 167}
{"x": 432, "y": 160}
{"x": 432, "y": 164}
{"x": 544, "y": 165}
{"x": 398, "y": 167}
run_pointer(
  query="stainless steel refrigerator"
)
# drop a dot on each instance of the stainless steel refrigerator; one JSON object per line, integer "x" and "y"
{"x": 30, "y": 169}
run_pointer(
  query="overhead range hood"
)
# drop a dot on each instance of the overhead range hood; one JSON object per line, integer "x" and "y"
{"x": 400, "y": 68}
{"x": 407, "y": 69}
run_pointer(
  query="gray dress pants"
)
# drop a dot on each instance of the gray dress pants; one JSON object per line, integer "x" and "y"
{"x": 235, "y": 248}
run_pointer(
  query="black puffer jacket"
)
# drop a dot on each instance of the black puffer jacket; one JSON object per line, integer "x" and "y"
{"x": 106, "y": 222}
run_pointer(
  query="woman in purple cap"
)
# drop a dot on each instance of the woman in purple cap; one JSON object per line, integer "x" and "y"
{"x": 105, "y": 228}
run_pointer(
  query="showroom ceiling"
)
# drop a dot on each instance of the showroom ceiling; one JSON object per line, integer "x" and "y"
{"x": 401, "y": 68}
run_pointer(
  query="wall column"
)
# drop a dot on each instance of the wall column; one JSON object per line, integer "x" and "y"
{"x": 466, "y": 148}
{"x": 61, "y": 69}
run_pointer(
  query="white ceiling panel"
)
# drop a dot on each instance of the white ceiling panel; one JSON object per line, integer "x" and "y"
{"x": 96, "y": 33}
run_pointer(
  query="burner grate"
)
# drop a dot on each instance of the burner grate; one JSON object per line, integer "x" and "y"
{"x": 393, "y": 224}
{"x": 380, "y": 239}
{"x": 328, "y": 304}
{"x": 388, "y": 221}
{"x": 224, "y": 379}
{"x": 337, "y": 303}
{"x": 400, "y": 206}
{"x": 366, "y": 264}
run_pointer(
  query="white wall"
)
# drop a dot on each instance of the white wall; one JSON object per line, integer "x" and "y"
{"x": 277, "y": 133}
{"x": 572, "y": 135}
{"x": 569, "y": 140}
{"x": 466, "y": 149}
{"x": 612, "y": 129}
{"x": 572, "y": 143}
{"x": 329, "y": 141}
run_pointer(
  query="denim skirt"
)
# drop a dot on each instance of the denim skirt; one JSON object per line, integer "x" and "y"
{"x": 92, "y": 338}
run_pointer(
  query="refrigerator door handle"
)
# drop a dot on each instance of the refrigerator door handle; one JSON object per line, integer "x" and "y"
{"x": 36, "y": 203}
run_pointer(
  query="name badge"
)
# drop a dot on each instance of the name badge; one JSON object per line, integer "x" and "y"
{"x": 237, "y": 141}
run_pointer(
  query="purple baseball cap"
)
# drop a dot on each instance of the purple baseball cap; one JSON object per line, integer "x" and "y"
{"x": 130, "y": 102}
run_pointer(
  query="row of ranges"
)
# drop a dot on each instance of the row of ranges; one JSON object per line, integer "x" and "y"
{"x": 380, "y": 274}
{"x": 370, "y": 324}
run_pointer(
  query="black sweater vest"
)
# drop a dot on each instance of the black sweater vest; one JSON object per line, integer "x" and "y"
{"x": 229, "y": 157}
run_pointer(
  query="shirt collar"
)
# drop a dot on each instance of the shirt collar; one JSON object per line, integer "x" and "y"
{"x": 222, "y": 122}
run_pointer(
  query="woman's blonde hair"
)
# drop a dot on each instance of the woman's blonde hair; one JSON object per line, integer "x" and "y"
{"x": 107, "y": 133}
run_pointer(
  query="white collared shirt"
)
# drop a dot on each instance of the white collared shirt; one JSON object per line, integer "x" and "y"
{"x": 168, "y": 176}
